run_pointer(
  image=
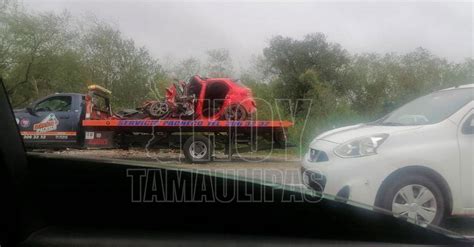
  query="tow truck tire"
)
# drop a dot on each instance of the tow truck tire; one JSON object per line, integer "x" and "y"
{"x": 198, "y": 149}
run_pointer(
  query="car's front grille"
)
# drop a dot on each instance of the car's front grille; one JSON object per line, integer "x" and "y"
{"x": 314, "y": 180}
{"x": 316, "y": 155}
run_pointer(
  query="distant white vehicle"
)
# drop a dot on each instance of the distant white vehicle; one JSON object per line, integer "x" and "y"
{"x": 417, "y": 161}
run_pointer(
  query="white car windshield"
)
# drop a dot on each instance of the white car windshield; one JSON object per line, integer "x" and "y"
{"x": 429, "y": 109}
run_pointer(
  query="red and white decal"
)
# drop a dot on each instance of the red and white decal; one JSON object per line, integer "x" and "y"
{"x": 49, "y": 123}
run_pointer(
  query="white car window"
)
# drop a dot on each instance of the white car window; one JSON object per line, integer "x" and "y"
{"x": 468, "y": 126}
{"x": 429, "y": 109}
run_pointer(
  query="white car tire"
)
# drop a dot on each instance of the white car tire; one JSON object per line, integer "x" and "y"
{"x": 416, "y": 197}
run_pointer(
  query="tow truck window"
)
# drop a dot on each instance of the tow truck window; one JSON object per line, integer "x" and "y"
{"x": 57, "y": 103}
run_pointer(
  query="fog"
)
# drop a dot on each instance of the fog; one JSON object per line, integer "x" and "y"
{"x": 179, "y": 30}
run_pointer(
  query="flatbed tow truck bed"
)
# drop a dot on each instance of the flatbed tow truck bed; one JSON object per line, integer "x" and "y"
{"x": 197, "y": 138}
{"x": 196, "y": 124}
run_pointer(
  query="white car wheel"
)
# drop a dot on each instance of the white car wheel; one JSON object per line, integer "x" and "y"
{"x": 416, "y": 202}
{"x": 415, "y": 197}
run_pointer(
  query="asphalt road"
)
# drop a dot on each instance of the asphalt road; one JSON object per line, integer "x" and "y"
{"x": 277, "y": 169}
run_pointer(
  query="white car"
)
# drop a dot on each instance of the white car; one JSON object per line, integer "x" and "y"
{"x": 417, "y": 161}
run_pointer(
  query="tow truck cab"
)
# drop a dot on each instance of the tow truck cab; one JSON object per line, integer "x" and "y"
{"x": 55, "y": 120}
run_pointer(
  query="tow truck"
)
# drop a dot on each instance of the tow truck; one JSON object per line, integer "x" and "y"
{"x": 86, "y": 121}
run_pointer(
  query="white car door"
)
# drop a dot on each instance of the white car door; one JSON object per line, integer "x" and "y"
{"x": 466, "y": 148}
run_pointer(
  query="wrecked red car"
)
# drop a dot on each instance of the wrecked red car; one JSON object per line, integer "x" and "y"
{"x": 204, "y": 98}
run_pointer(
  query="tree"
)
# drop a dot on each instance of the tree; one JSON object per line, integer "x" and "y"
{"x": 219, "y": 63}
{"x": 462, "y": 73}
{"x": 7, "y": 9}
{"x": 376, "y": 84}
{"x": 36, "y": 55}
{"x": 110, "y": 60}
{"x": 288, "y": 59}
{"x": 42, "y": 53}
{"x": 186, "y": 68}
{"x": 368, "y": 81}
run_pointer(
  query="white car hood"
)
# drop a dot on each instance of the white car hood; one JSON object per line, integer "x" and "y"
{"x": 344, "y": 134}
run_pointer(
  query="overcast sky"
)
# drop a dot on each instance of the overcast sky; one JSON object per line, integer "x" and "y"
{"x": 189, "y": 29}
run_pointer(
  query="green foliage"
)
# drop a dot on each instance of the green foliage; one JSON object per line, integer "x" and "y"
{"x": 118, "y": 64}
{"x": 36, "y": 57}
{"x": 46, "y": 53}
{"x": 288, "y": 59}
{"x": 377, "y": 84}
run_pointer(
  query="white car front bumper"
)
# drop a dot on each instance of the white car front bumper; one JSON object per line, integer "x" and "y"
{"x": 357, "y": 179}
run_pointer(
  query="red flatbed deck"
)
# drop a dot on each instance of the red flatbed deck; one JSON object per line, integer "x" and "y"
{"x": 185, "y": 123}
{"x": 109, "y": 133}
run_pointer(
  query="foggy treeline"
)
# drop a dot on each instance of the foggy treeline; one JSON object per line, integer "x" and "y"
{"x": 43, "y": 53}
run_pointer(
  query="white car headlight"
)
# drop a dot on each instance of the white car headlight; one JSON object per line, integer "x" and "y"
{"x": 362, "y": 146}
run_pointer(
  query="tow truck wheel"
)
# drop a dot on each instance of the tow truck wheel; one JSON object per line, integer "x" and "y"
{"x": 198, "y": 149}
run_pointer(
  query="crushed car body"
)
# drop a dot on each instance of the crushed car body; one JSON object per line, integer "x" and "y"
{"x": 200, "y": 98}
